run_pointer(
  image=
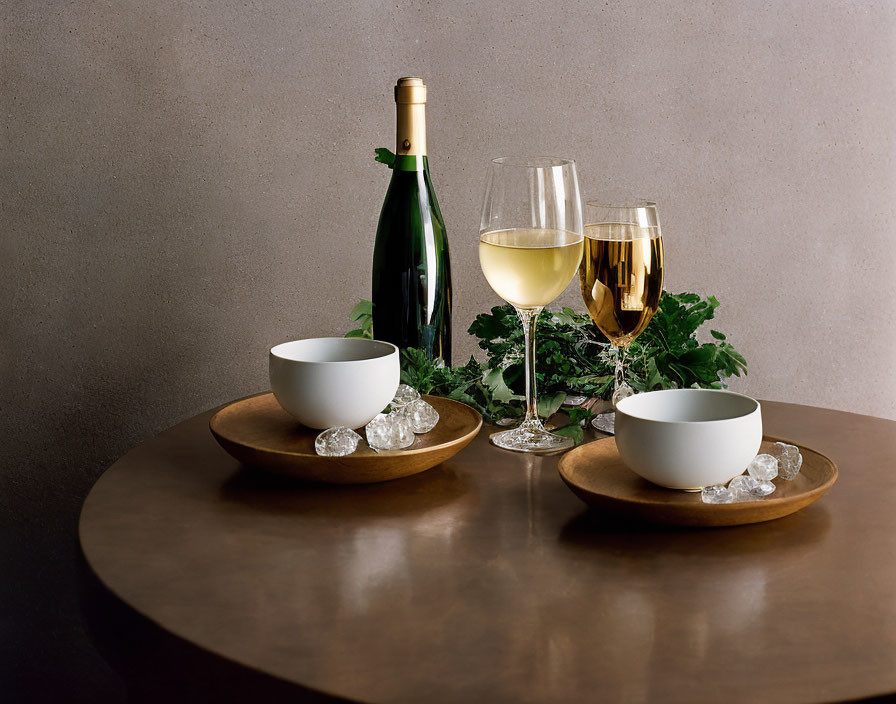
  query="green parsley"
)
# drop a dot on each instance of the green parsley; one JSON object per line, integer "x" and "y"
{"x": 572, "y": 358}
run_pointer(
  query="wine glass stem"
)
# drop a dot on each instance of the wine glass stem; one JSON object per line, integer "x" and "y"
{"x": 620, "y": 372}
{"x": 528, "y": 317}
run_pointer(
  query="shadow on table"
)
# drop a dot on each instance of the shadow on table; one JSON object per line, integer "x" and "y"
{"x": 408, "y": 496}
{"x": 157, "y": 666}
{"x": 601, "y": 532}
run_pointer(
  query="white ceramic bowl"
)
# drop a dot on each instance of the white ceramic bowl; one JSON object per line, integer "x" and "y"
{"x": 328, "y": 381}
{"x": 688, "y": 438}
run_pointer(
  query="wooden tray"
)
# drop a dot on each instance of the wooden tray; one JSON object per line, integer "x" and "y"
{"x": 597, "y": 475}
{"x": 259, "y": 433}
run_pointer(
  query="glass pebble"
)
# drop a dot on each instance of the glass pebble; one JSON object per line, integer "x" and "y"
{"x": 576, "y": 400}
{"x": 741, "y": 487}
{"x": 763, "y": 489}
{"x": 421, "y": 416}
{"x": 763, "y": 468}
{"x": 403, "y": 396}
{"x": 389, "y": 432}
{"x": 336, "y": 442}
{"x": 790, "y": 460}
{"x": 716, "y": 494}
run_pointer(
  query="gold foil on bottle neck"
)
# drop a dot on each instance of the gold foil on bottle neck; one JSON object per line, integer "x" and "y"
{"x": 410, "y": 96}
{"x": 410, "y": 90}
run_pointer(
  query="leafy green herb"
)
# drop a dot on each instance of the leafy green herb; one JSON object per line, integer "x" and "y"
{"x": 363, "y": 315}
{"x": 384, "y": 156}
{"x": 573, "y": 357}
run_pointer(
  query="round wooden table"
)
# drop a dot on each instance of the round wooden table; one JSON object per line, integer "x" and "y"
{"x": 486, "y": 579}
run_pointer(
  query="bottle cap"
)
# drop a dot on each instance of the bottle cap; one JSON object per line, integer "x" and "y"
{"x": 410, "y": 90}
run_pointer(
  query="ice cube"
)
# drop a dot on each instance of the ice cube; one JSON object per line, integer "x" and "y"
{"x": 763, "y": 468}
{"x": 336, "y": 442}
{"x": 421, "y": 416}
{"x": 403, "y": 396}
{"x": 390, "y": 431}
{"x": 716, "y": 494}
{"x": 789, "y": 460}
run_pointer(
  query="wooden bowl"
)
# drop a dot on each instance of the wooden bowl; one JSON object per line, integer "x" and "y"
{"x": 596, "y": 474}
{"x": 259, "y": 433}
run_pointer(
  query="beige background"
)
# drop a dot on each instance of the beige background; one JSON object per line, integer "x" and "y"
{"x": 184, "y": 184}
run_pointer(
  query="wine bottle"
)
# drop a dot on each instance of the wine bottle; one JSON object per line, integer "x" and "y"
{"x": 411, "y": 268}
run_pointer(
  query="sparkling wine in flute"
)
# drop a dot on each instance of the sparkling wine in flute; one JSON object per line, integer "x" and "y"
{"x": 529, "y": 267}
{"x": 622, "y": 278}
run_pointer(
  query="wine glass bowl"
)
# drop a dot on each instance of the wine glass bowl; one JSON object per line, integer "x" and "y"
{"x": 621, "y": 275}
{"x": 529, "y": 268}
{"x": 530, "y": 246}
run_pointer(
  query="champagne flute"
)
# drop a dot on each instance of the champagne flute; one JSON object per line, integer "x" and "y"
{"x": 530, "y": 246}
{"x": 622, "y": 279}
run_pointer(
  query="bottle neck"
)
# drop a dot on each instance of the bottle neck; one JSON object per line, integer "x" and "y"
{"x": 410, "y": 162}
{"x": 410, "y": 132}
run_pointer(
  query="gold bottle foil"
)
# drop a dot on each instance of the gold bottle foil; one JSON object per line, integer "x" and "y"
{"x": 410, "y": 133}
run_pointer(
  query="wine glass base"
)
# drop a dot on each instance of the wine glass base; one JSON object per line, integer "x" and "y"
{"x": 605, "y": 422}
{"x": 536, "y": 441}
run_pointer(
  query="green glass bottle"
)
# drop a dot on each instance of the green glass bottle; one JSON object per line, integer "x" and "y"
{"x": 411, "y": 268}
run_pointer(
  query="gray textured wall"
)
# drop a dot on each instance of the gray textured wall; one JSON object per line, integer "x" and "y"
{"x": 184, "y": 184}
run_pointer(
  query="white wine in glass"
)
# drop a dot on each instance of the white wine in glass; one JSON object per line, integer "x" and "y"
{"x": 621, "y": 276}
{"x": 530, "y": 245}
{"x": 528, "y": 267}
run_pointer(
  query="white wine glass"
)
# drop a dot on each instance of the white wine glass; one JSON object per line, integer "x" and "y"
{"x": 530, "y": 246}
{"x": 621, "y": 275}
